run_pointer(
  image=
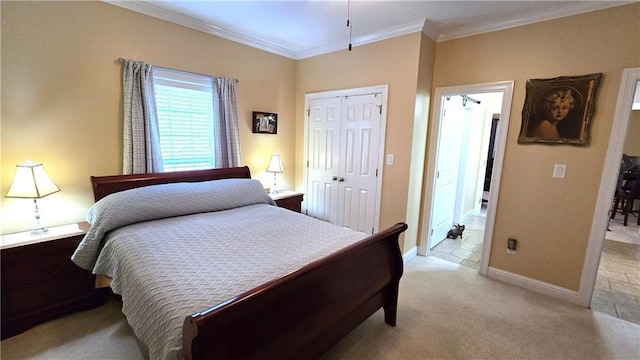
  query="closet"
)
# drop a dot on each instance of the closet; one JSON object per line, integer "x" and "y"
{"x": 344, "y": 141}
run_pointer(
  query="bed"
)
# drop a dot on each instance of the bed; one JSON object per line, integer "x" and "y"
{"x": 233, "y": 276}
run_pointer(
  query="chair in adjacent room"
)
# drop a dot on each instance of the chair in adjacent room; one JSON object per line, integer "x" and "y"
{"x": 625, "y": 199}
{"x": 629, "y": 173}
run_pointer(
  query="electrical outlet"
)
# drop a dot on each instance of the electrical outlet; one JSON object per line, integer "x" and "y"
{"x": 511, "y": 246}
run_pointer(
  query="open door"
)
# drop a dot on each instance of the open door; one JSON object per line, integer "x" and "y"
{"x": 435, "y": 192}
{"x": 446, "y": 177}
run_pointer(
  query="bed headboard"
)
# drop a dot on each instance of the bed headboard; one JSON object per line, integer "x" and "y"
{"x": 105, "y": 185}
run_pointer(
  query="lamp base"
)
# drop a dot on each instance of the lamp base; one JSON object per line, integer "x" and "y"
{"x": 274, "y": 189}
{"x": 38, "y": 229}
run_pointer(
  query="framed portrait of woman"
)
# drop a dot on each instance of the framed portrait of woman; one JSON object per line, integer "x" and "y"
{"x": 559, "y": 110}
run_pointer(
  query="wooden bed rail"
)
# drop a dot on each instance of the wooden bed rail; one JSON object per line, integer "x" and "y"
{"x": 105, "y": 185}
{"x": 298, "y": 316}
{"x": 305, "y": 313}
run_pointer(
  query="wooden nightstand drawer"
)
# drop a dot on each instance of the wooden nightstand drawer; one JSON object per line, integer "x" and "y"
{"x": 40, "y": 296}
{"x": 53, "y": 266}
{"x": 289, "y": 200}
{"x": 39, "y": 280}
{"x": 5, "y": 310}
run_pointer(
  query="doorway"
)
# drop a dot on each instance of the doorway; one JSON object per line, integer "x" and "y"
{"x": 460, "y": 140}
{"x": 628, "y": 85}
{"x": 616, "y": 285}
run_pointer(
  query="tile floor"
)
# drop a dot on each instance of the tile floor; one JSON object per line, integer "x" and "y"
{"x": 617, "y": 290}
{"x": 466, "y": 251}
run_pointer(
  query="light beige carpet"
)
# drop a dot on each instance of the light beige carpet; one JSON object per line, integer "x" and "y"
{"x": 446, "y": 311}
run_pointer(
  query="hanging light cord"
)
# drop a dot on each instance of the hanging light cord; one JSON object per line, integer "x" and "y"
{"x": 349, "y": 21}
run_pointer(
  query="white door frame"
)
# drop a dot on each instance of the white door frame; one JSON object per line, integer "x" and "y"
{"x": 506, "y": 88}
{"x": 384, "y": 89}
{"x": 630, "y": 77}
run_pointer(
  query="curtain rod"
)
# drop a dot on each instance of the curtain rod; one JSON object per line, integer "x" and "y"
{"x": 122, "y": 61}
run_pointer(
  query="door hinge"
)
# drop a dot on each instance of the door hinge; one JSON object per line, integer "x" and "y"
{"x": 372, "y": 231}
{"x": 376, "y": 172}
{"x": 431, "y": 231}
{"x": 308, "y": 112}
{"x": 307, "y": 163}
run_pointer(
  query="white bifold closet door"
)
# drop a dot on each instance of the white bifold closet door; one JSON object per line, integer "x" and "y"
{"x": 343, "y": 146}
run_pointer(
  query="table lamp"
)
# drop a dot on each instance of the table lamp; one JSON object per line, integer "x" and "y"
{"x": 31, "y": 182}
{"x": 275, "y": 166}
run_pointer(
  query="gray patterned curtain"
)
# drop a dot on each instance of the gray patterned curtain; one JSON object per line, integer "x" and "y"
{"x": 225, "y": 116}
{"x": 141, "y": 152}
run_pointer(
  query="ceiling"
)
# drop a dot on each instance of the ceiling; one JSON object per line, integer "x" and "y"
{"x": 299, "y": 29}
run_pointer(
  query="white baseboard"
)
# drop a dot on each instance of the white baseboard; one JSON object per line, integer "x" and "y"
{"x": 534, "y": 285}
{"x": 409, "y": 255}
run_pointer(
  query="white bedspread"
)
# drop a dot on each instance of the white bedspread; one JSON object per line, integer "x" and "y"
{"x": 169, "y": 268}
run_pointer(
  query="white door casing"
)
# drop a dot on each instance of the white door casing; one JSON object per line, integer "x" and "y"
{"x": 504, "y": 87}
{"x": 628, "y": 84}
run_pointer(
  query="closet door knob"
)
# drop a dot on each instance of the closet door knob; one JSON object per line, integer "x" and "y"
{"x": 341, "y": 179}
{"x": 334, "y": 178}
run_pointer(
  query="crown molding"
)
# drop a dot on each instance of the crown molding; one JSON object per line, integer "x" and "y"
{"x": 388, "y": 33}
{"x": 551, "y": 13}
{"x": 430, "y": 30}
{"x": 171, "y": 16}
{"x": 424, "y": 26}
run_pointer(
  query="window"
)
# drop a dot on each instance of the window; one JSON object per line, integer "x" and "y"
{"x": 184, "y": 102}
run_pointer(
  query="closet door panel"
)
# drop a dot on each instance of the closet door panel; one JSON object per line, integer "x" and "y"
{"x": 358, "y": 161}
{"x": 323, "y": 155}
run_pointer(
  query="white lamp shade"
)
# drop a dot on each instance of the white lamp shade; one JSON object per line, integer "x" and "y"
{"x": 31, "y": 182}
{"x": 275, "y": 164}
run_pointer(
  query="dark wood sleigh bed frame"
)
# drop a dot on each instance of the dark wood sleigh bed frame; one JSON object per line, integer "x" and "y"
{"x": 299, "y": 316}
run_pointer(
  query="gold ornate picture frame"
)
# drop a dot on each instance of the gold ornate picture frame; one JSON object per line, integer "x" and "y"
{"x": 559, "y": 110}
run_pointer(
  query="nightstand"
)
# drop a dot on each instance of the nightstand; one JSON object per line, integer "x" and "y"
{"x": 39, "y": 280}
{"x": 288, "y": 199}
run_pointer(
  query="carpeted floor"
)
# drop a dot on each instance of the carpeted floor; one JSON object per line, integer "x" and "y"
{"x": 446, "y": 311}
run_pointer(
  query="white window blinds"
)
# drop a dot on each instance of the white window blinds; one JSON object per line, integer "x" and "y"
{"x": 184, "y": 103}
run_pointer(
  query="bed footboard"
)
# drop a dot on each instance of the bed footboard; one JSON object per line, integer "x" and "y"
{"x": 303, "y": 314}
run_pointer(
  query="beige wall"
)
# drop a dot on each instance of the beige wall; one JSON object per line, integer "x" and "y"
{"x": 61, "y": 95}
{"x": 61, "y": 92}
{"x": 551, "y": 218}
{"x": 632, "y": 139}
{"x": 393, "y": 62}
{"x": 416, "y": 198}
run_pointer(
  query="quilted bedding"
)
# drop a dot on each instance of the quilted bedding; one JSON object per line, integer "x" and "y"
{"x": 168, "y": 268}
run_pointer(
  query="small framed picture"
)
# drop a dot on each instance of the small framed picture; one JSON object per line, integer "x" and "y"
{"x": 265, "y": 123}
{"x": 559, "y": 110}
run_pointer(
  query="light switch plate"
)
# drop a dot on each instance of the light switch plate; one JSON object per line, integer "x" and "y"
{"x": 389, "y": 159}
{"x": 559, "y": 171}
